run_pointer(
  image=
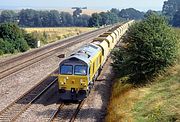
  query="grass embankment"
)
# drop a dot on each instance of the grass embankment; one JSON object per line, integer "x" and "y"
{"x": 48, "y": 35}
{"x": 155, "y": 102}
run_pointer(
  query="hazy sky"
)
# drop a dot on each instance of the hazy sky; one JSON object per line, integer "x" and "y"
{"x": 142, "y": 5}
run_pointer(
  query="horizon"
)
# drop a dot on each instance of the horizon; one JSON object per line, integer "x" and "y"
{"x": 61, "y": 8}
{"x": 107, "y": 5}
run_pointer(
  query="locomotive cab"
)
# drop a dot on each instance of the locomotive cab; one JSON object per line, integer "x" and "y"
{"x": 73, "y": 79}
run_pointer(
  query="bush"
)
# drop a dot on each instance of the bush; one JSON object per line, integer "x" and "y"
{"x": 6, "y": 47}
{"x": 31, "y": 39}
{"x": 21, "y": 45}
{"x": 13, "y": 39}
{"x": 150, "y": 46}
{"x": 10, "y": 31}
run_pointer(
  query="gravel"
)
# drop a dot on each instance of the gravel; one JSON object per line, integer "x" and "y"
{"x": 15, "y": 85}
{"x": 43, "y": 108}
{"x": 94, "y": 108}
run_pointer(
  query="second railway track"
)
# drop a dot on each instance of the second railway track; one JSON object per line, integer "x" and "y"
{"x": 16, "y": 108}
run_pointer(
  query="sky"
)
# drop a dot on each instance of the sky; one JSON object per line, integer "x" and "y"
{"x": 142, "y": 5}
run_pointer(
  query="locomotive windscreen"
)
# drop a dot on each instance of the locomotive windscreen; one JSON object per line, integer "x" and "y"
{"x": 66, "y": 69}
{"x": 80, "y": 70}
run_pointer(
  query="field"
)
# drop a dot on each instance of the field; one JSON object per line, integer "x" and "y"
{"x": 84, "y": 11}
{"x": 155, "y": 102}
{"x": 48, "y": 35}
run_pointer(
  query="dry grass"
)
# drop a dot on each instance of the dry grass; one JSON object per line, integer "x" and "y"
{"x": 48, "y": 35}
{"x": 155, "y": 102}
{"x": 122, "y": 100}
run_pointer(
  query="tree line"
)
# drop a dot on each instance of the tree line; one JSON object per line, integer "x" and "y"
{"x": 54, "y": 18}
{"x": 114, "y": 16}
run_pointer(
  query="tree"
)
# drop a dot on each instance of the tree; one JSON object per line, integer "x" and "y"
{"x": 66, "y": 19}
{"x": 131, "y": 13}
{"x": 8, "y": 16}
{"x": 95, "y": 20}
{"x": 105, "y": 18}
{"x": 45, "y": 18}
{"x": 27, "y": 17}
{"x": 81, "y": 20}
{"x": 115, "y": 11}
{"x": 176, "y": 19}
{"x": 170, "y": 7}
{"x": 12, "y": 38}
{"x": 150, "y": 46}
{"x": 30, "y": 39}
{"x": 37, "y": 19}
{"x": 10, "y": 31}
{"x": 150, "y": 12}
{"x": 55, "y": 18}
{"x": 113, "y": 18}
{"x": 6, "y": 47}
{"x": 21, "y": 45}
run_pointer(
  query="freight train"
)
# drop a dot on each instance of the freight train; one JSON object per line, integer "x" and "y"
{"x": 78, "y": 72}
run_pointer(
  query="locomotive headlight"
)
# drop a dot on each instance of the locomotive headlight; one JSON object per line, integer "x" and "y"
{"x": 81, "y": 81}
{"x": 64, "y": 80}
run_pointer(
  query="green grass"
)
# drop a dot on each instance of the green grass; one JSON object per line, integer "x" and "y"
{"x": 161, "y": 103}
{"x": 155, "y": 102}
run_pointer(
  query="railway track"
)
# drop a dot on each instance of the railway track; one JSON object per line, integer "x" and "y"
{"x": 33, "y": 57}
{"x": 54, "y": 116}
{"x": 16, "y": 108}
{"x": 77, "y": 111}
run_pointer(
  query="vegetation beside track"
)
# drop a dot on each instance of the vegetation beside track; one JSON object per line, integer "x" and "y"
{"x": 154, "y": 101}
{"x": 158, "y": 101}
{"x": 13, "y": 39}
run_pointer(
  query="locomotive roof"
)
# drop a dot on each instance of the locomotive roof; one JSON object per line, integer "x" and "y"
{"x": 85, "y": 53}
